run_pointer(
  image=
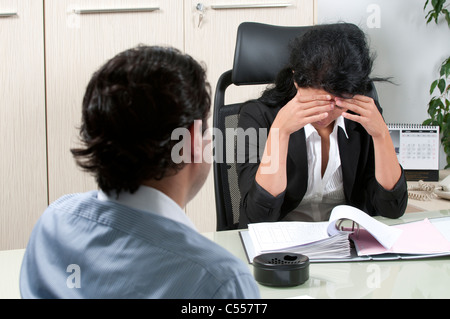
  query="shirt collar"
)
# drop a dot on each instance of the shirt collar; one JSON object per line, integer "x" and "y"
{"x": 309, "y": 129}
{"x": 152, "y": 201}
{"x": 341, "y": 123}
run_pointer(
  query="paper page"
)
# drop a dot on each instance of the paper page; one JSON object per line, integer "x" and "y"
{"x": 331, "y": 248}
{"x": 443, "y": 225}
{"x": 272, "y": 236}
{"x": 334, "y": 247}
{"x": 385, "y": 234}
{"x": 417, "y": 238}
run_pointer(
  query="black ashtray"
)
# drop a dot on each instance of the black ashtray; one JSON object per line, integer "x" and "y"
{"x": 281, "y": 269}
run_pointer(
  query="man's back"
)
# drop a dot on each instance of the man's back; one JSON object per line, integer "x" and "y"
{"x": 85, "y": 248}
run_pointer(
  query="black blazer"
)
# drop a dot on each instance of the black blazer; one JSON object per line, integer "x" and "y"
{"x": 358, "y": 169}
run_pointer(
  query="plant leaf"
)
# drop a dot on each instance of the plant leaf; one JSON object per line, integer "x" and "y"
{"x": 447, "y": 16}
{"x": 440, "y": 119}
{"x": 433, "y": 86}
{"x": 440, "y": 105}
{"x": 438, "y": 4}
{"x": 442, "y": 85}
{"x": 432, "y": 108}
{"x": 446, "y": 67}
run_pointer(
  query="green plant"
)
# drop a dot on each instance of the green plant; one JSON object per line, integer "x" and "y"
{"x": 439, "y": 105}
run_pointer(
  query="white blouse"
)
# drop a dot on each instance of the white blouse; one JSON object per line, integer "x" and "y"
{"x": 322, "y": 194}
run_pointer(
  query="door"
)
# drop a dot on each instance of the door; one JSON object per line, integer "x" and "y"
{"x": 23, "y": 168}
{"x": 81, "y": 35}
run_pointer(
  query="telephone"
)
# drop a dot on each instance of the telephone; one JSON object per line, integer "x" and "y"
{"x": 429, "y": 191}
{"x": 443, "y": 189}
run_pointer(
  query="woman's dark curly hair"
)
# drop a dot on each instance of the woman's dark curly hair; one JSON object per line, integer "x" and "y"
{"x": 332, "y": 57}
{"x": 130, "y": 108}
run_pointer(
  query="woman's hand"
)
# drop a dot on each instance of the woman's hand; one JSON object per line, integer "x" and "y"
{"x": 367, "y": 114}
{"x": 387, "y": 168}
{"x": 302, "y": 110}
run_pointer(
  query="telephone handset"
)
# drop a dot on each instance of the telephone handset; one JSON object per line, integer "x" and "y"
{"x": 443, "y": 189}
{"x": 429, "y": 192}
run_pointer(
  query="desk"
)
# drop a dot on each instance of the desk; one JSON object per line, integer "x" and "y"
{"x": 426, "y": 278}
{"x": 10, "y": 262}
{"x": 431, "y": 205}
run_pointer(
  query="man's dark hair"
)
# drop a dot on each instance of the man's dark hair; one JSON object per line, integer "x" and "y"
{"x": 131, "y": 107}
{"x": 332, "y": 57}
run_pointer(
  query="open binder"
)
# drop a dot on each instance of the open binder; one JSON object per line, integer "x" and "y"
{"x": 350, "y": 235}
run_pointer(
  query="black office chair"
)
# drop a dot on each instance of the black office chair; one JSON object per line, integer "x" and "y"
{"x": 261, "y": 52}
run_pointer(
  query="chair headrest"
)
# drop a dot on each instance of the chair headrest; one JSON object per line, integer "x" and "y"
{"x": 262, "y": 50}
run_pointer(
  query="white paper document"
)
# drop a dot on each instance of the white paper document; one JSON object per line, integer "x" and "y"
{"x": 385, "y": 234}
{"x": 321, "y": 240}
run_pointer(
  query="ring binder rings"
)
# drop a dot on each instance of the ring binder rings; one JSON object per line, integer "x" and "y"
{"x": 354, "y": 229}
{"x": 417, "y": 148}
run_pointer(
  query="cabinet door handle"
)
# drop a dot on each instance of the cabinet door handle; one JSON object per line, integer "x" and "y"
{"x": 114, "y": 10}
{"x": 8, "y": 14}
{"x": 250, "y": 6}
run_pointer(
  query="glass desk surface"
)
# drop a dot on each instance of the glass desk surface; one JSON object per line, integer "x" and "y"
{"x": 421, "y": 278}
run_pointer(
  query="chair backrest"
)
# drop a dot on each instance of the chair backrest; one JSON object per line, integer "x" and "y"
{"x": 261, "y": 51}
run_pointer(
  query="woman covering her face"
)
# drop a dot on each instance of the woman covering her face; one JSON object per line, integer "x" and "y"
{"x": 327, "y": 141}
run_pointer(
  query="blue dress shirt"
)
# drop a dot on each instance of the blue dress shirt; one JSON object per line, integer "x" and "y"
{"x": 91, "y": 246}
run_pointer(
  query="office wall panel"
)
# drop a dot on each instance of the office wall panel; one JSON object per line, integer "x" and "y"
{"x": 23, "y": 168}
{"x": 80, "y": 37}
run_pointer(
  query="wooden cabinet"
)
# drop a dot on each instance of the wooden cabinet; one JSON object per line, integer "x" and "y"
{"x": 80, "y": 37}
{"x": 43, "y": 83}
{"x": 23, "y": 166}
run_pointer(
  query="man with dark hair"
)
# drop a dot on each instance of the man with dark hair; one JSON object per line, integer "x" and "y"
{"x": 131, "y": 239}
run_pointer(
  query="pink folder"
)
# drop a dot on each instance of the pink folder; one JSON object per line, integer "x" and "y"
{"x": 417, "y": 238}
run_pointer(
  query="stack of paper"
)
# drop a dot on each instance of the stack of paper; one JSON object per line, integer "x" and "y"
{"x": 310, "y": 239}
{"x": 335, "y": 247}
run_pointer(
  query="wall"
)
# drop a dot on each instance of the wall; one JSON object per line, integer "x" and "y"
{"x": 407, "y": 49}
